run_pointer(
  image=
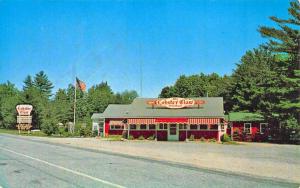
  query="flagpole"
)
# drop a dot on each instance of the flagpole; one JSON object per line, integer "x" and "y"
{"x": 74, "y": 104}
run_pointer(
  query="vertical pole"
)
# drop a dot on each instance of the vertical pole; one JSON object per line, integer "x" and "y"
{"x": 156, "y": 125}
{"x": 141, "y": 71}
{"x": 128, "y": 129}
{"x": 74, "y": 105}
{"x": 185, "y": 126}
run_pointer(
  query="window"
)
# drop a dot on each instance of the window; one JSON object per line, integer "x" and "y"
{"x": 247, "y": 128}
{"x": 163, "y": 126}
{"x": 203, "y": 127}
{"x": 183, "y": 126}
{"x": 222, "y": 127}
{"x": 152, "y": 126}
{"x": 133, "y": 126}
{"x": 116, "y": 127}
{"x": 193, "y": 127}
{"x": 143, "y": 126}
{"x": 214, "y": 127}
{"x": 262, "y": 127}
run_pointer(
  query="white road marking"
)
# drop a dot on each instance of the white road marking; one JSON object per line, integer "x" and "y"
{"x": 66, "y": 169}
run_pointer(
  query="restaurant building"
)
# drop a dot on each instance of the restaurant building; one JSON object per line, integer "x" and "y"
{"x": 174, "y": 119}
{"x": 245, "y": 126}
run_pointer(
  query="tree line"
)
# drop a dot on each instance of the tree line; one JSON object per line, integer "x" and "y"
{"x": 266, "y": 81}
{"x": 50, "y": 110}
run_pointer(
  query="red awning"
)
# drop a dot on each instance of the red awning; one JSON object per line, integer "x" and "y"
{"x": 175, "y": 120}
{"x": 116, "y": 122}
{"x": 171, "y": 120}
{"x": 204, "y": 121}
{"x": 141, "y": 121}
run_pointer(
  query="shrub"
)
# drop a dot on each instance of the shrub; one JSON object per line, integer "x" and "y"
{"x": 124, "y": 134}
{"x": 67, "y": 134}
{"x": 95, "y": 133}
{"x": 192, "y": 138}
{"x": 151, "y": 137}
{"x": 141, "y": 137}
{"x": 85, "y": 132}
{"x": 225, "y": 138}
{"x": 130, "y": 137}
{"x": 202, "y": 139}
{"x": 49, "y": 127}
{"x": 212, "y": 140}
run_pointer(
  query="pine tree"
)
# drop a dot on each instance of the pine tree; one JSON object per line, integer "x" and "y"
{"x": 28, "y": 83}
{"x": 284, "y": 41}
{"x": 42, "y": 83}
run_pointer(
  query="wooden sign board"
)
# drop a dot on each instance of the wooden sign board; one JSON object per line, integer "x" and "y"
{"x": 175, "y": 102}
{"x": 24, "y": 109}
{"x": 24, "y": 119}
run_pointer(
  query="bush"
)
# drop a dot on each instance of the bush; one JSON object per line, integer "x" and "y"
{"x": 95, "y": 133}
{"x": 202, "y": 139}
{"x": 225, "y": 138}
{"x": 192, "y": 138}
{"x": 212, "y": 140}
{"x": 130, "y": 137}
{"x": 141, "y": 137}
{"x": 85, "y": 132}
{"x": 67, "y": 134}
{"x": 151, "y": 137}
{"x": 49, "y": 127}
{"x": 124, "y": 134}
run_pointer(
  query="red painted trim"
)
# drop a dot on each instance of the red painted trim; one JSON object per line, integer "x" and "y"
{"x": 171, "y": 120}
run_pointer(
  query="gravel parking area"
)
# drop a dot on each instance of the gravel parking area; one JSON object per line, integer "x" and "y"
{"x": 257, "y": 159}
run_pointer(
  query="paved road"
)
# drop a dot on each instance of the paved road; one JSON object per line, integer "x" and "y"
{"x": 27, "y": 163}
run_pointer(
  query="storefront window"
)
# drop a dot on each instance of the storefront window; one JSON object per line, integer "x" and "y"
{"x": 247, "y": 128}
{"x": 263, "y": 127}
{"x": 116, "y": 127}
{"x": 152, "y": 126}
{"x": 163, "y": 126}
{"x": 183, "y": 126}
{"x": 193, "y": 127}
{"x": 214, "y": 127}
{"x": 143, "y": 126}
{"x": 132, "y": 126}
{"x": 203, "y": 127}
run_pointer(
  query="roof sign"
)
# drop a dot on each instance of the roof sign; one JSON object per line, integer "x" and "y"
{"x": 175, "y": 102}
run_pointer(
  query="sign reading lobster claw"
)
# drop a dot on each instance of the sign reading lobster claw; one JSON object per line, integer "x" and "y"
{"x": 175, "y": 102}
{"x": 24, "y": 109}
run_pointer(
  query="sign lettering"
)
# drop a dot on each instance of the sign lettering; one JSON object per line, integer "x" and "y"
{"x": 24, "y": 109}
{"x": 175, "y": 102}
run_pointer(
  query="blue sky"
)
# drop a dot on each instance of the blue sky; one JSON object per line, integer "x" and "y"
{"x": 111, "y": 40}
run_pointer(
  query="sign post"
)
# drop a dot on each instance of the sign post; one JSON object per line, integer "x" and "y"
{"x": 24, "y": 119}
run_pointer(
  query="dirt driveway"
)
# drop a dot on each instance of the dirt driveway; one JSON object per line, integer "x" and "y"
{"x": 256, "y": 159}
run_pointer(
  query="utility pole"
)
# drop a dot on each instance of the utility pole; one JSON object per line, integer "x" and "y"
{"x": 141, "y": 70}
{"x": 74, "y": 115}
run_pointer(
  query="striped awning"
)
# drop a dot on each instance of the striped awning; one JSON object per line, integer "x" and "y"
{"x": 116, "y": 122}
{"x": 171, "y": 120}
{"x": 204, "y": 121}
{"x": 141, "y": 121}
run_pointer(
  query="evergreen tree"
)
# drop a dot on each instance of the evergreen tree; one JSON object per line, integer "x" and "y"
{"x": 251, "y": 80}
{"x": 284, "y": 42}
{"x": 42, "y": 83}
{"x": 99, "y": 96}
{"x": 28, "y": 83}
{"x": 9, "y": 98}
{"x": 62, "y": 107}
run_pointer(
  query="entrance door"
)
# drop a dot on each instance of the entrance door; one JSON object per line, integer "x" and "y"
{"x": 173, "y": 132}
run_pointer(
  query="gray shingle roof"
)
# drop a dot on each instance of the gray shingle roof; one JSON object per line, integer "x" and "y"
{"x": 213, "y": 107}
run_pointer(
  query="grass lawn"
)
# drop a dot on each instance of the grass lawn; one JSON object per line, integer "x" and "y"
{"x": 23, "y": 133}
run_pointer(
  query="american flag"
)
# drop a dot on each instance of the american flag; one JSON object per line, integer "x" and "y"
{"x": 80, "y": 84}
